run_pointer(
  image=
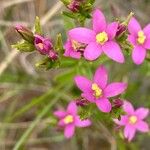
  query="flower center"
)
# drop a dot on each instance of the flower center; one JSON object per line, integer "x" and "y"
{"x": 132, "y": 119}
{"x": 77, "y": 46}
{"x": 40, "y": 45}
{"x": 101, "y": 38}
{"x": 97, "y": 90}
{"x": 141, "y": 37}
{"x": 68, "y": 119}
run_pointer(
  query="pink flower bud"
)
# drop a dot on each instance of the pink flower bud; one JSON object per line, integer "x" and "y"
{"x": 42, "y": 44}
{"x": 117, "y": 103}
{"x": 25, "y": 33}
{"x": 53, "y": 55}
{"x": 121, "y": 28}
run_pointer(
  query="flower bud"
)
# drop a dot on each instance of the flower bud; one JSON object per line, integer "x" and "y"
{"x": 121, "y": 29}
{"x": 25, "y": 33}
{"x": 53, "y": 55}
{"x": 117, "y": 103}
{"x": 43, "y": 45}
{"x": 82, "y": 102}
{"x": 74, "y": 5}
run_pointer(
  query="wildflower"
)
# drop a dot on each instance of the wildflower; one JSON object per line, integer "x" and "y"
{"x": 140, "y": 39}
{"x": 133, "y": 120}
{"x": 25, "y": 33}
{"x": 74, "y": 49}
{"x": 43, "y": 45}
{"x": 100, "y": 39}
{"x": 69, "y": 120}
{"x": 98, "y": 91}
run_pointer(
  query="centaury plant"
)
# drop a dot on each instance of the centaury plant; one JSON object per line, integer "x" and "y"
{"x": 84, "y": 50}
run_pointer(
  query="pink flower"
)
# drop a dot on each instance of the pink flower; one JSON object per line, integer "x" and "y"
{"x": 140, "y": 39}
{"x": 133, "y": 120}
{"x": 98, "y": 91}
{"x": 42, "y": 44}
{"x": 74, "y": 49}
{"x": 69, "y": 120}
{"x": 100, "y": 39}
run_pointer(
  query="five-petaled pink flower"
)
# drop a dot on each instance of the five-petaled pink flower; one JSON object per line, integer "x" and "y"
{"x": 69, "y": 119}
{"x": 133, "y": 120}
{"x": 98, "y": 91}
{"x": 140, "y": 39}
{"x": 100, "y": 39}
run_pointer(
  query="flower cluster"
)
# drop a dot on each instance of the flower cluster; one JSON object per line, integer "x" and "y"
{"x": 91, "y": 43}
{"x": 42, "y": 44}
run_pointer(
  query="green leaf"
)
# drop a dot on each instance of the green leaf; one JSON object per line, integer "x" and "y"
{"x": 24, "y": 46}
{"x": 37, "y": 26}
{"x": 59, "y": 44}
{"x": 47, "y": 63}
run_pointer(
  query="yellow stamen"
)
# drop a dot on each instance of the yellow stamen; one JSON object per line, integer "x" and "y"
{"x": 97, "y": 90}
{"x": 68, "y": 119}
{"x": 101, "y": 38}
{"x": 141, "y": 37}
{"x": 77, "y": 45}
{"x": 132, "y": 119}
{"x": 41, "y": 46}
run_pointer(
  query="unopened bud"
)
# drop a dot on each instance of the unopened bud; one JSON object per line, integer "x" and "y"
{"x": 117, "y": 103}
{"x": 121, "y": 29}
{"x": 25, "y": 33}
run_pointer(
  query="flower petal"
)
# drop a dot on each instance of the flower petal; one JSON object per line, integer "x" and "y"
{"x": 61, "y": 123}
{"x": 129, "y": 132}
{"x": 147, "y": 30}
{"x": 104, "y": 105}
{"x": 89, "y": 96}
{"x": 142, "y": 112}
{"x": 132, "y": 39}
{"x": 60, "y": 113}
{"x": 142, "y": 126}
{"x": 70, "y": 52}
{"x": 138, "y": 55}
{"x": 69, "y": 131}
{"x": 82, "y": 123}
{"x": 92, "y": 51}
{"x": 113, "y": 51}
{"x": 147, "y": 43}
{"x": 134, "y": 26}
{"x": 72, "y": 108}
{"x": 114, "y": 89}
{"x": 123, "y": 121}
{"x": 82, "y": 35}
{"x": 112, "y": 30}
{"x": 101, "y": 77}
{"x": 99, "y": 22}
{"x": 83, "y": 83}
{"x": 128, "y": 108}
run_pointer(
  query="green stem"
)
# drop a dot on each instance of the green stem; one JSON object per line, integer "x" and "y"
{"x": 27, "y": 133}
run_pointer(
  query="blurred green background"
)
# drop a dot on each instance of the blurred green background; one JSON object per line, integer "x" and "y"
{"x": 28, "y": 96}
